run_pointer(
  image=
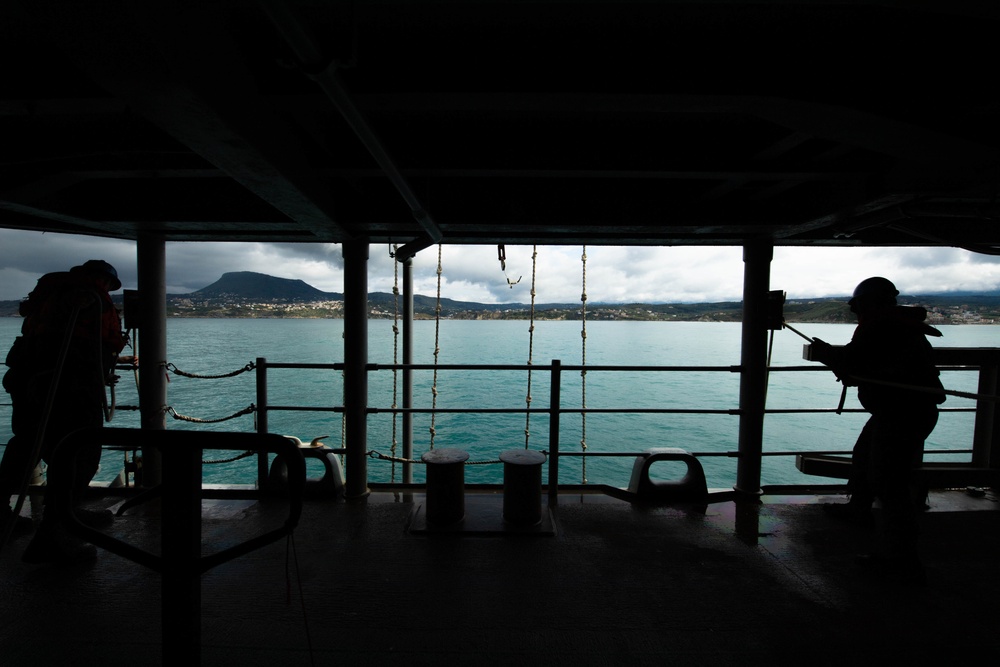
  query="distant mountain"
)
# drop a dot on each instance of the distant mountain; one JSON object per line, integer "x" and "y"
{"x": 251, "y": 287}
{"x": 262, "y": 288}
{"x": 249, "y": 294}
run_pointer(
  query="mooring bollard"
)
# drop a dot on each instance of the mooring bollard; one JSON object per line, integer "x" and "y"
{"x": 445, "y": 485}
{"x": 522, "y": 486}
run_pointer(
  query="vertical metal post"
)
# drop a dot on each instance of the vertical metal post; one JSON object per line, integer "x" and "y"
{"x": 753, "y": 363}
{"x": 985, "y": 447}
{"x": 355, "y": 367}
{"x": 407, "y": 373}
{"x": 151, "y": 264}
{"x": 262, "y": 425}
{"x": 178, "y": 473}
{"x": 554, "y": 405}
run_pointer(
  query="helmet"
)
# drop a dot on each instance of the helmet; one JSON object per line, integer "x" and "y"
{"x": 875, "y": 290}
{"x": 100, "y": 268}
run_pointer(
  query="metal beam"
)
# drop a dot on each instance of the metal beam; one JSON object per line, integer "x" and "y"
{"x": 181, "y": 71}
{"x": 324, "y": 72}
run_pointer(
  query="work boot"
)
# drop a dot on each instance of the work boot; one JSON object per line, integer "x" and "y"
{"x": 55, "y": 545}
{"x": 851, "y": 512}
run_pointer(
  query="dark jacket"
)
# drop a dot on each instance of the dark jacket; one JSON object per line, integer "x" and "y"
{"x": 93, "y": 345}
{"x": 891, "y": 346}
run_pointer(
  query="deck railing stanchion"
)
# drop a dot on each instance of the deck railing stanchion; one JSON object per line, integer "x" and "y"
{"x": 262, "y": 425}
{"x": 985, "y": 444}
{"x": 554, "y": 400}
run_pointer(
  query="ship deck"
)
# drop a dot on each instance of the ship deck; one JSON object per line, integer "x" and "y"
{"x": 602, "y": 581}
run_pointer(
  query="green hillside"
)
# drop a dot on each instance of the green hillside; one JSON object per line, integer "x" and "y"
{"x": 255, "y": 295}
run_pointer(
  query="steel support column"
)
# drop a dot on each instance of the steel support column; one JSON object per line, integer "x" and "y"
{"x": 152, "y": 345}
{"x": 753, "y": 363}
{"x": 355, "y": 371}
{"x": 178, "y": 473}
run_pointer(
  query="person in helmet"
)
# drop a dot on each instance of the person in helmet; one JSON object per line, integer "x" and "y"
{"x": 889, "y": 360}
{"x": 80, "y": 299}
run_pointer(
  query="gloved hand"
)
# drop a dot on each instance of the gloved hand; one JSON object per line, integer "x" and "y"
{"x": 820, "y": 350}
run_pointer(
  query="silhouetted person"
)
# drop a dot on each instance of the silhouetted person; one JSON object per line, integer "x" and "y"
{"x": 889, "y": 360}
{"x": 58, "y": 369}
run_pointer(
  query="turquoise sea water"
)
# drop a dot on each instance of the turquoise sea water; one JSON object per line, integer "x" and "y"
{"x": 212, "y": 347}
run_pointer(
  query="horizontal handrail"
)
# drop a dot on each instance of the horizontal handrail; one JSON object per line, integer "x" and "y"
{"x": 556, "y": 369}
{"x": 732, "y": 368}
{"x": 545, "y": 411}
{"x": 731, "y": 454}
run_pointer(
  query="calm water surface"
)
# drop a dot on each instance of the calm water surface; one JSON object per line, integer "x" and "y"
{"x": 212, "y": 347}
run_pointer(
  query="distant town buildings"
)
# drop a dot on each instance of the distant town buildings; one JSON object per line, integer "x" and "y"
{"x": 795, "y": 311}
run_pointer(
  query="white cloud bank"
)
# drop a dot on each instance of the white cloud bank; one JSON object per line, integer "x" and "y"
{"x": 473, "y": 273}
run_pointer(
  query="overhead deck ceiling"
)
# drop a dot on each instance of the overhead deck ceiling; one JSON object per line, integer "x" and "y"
{"x": 688, "y": 123}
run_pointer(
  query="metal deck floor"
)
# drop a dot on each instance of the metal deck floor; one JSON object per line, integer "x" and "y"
{"x": 611, "y": 584}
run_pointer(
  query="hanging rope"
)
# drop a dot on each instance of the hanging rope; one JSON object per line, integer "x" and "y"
{"x": 767, "y": 373}
{"x": 531, "y": 348}
{"x": 343, "y": 415}
{"x": 437, "y": 350}
{"x": 249, "y": 452}
{"x": 176, "y": 371}
{"x": 395, "y": 355}
{"x": 250, "y": 409}
{"x": 583, "y": 372}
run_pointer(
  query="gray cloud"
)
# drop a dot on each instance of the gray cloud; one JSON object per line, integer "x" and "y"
{"x": 473, "y": 273}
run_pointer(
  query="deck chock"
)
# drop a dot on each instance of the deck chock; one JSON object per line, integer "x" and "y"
{"x": 692, "y": 487}
{"x": 445, "y": 485}
{"x": 522, "y": 486}
{"x": 330, "y": 485}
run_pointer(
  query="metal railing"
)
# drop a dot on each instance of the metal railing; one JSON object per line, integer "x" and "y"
{"x": 984, "y": 429}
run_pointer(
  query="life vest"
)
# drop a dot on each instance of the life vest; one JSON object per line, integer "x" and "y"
{"x": 47, "y": 310}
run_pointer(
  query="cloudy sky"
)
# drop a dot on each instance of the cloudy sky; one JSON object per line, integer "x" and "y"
{"x": 473, "y": 273}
